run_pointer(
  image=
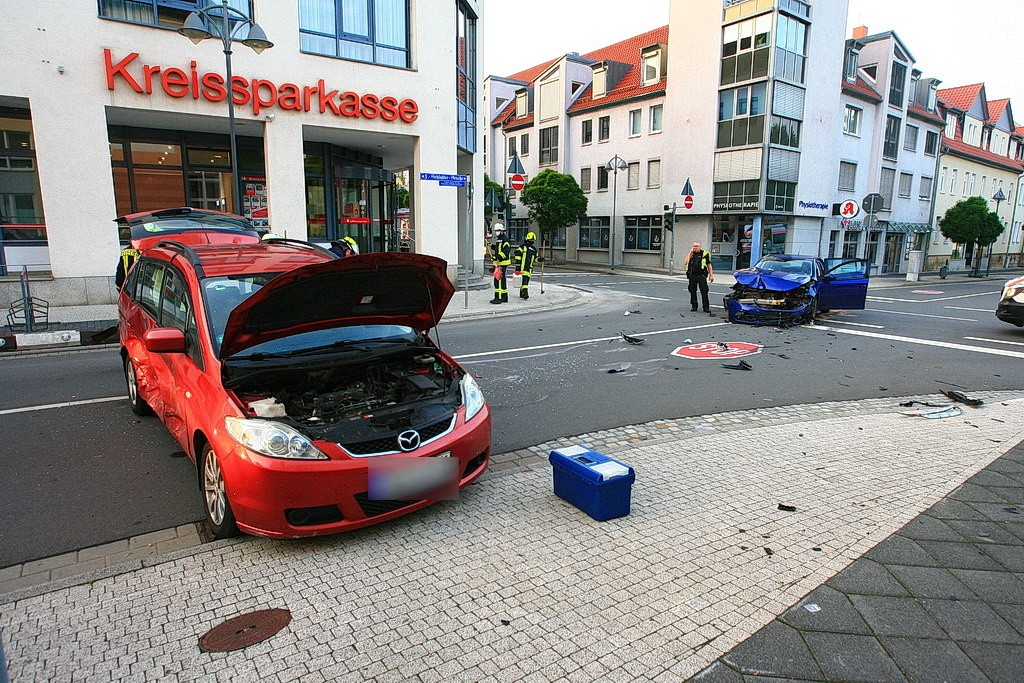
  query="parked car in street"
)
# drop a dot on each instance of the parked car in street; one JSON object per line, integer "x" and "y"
{"x": 785, "y": 289}
{"x": 305, "y": 387}
{"x": 1011, "y": 303}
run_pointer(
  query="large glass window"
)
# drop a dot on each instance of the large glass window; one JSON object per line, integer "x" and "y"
{"x": 165, "y": 13}
{"x": 741, "y": 114}
{"x": 21, "y": 202}
{"x": 745, "y": 49}
{"x": 737, "y": 195}
{"x": 779, "y": 196}
{"x": 790, "y": 44}
{"x": 643, "y": 233}
{"x": 890, "y": 147}
{"x": 549, "y": 145}
{"x": 465, "y": 75}
{"x": 373, "y": 31}
{"x": 785, "y": 131}
{"x": 595, "y": 232}
{"x": 897, "y": 84}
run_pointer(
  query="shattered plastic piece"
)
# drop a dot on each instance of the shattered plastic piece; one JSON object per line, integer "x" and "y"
{"x": 742, "y": 365}
{"x": 960, "y": 397}
{"x": 632, "y": 340}
{"x": 787, "y": 508}
{"x": 1012, "y": 511}
{"x": 687, "y": 341}
{"x": 505, "y": 622}
{"x": 812, "y": 608}
{"x": 908, "y": 404}
{"x": 782, "y": 356}
{"x": 768, "y": 551}
{"x": 619, "y": 368}
{"x": 636, "y": 312}
{"x": 816, "y": 549}
{"x": 936, "y": 413}
{"x": 722, "y": 345}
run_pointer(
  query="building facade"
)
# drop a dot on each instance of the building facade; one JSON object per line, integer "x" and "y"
{"x": 106, "y": 110}
{"x": 741, "y": 127}
{"x": 982, "y": 155}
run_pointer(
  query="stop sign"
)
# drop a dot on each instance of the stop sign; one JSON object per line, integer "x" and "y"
{"x": 717, "y": 350}
{"x": 688, "y": 202}
{"x": 517, "y": 182}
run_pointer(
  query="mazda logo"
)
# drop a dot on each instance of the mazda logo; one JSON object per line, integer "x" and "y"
{"x": 409, "y": 440}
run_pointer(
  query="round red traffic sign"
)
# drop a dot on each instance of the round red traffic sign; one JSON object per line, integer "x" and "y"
{"x": 517, "y": 181}
{"x": 688, "y": 202}
{"x": 717, "y": 350}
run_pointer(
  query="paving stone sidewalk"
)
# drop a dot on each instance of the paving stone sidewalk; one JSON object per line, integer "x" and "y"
{"x": 512, "y": 584}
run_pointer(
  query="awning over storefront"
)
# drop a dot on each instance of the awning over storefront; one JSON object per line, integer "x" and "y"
{"x": 909, "y": 227}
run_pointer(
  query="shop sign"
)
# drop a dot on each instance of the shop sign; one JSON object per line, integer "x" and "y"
{"x": 736, "y": 205}
{"x": 258, "y": 93}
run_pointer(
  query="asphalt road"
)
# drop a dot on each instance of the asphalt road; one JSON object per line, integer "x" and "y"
{"x": 79, "y": 469}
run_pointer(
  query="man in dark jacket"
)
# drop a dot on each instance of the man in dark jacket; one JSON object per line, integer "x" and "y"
{"x": 699, "y": 273}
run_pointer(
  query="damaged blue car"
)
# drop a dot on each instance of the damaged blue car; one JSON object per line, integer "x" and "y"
{"x": 784, "y": 289}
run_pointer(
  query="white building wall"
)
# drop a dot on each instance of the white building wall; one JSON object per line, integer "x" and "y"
{"x": 70, "y": 111}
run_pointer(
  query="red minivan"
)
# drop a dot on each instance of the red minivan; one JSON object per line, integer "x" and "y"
{"x": 305, "y": 387}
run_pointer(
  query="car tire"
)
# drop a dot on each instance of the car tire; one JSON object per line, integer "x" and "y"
{"x": 131, "y": 378}
{"x": 220, "y": 521}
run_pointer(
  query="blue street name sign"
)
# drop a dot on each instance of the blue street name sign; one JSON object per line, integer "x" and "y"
{"x": 446, "y": 178}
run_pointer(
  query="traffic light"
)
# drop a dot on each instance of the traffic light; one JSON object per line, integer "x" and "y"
{"x": 670, "y": 217}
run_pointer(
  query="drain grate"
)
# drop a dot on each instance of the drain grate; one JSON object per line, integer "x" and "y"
{"x": 245, "y": 630}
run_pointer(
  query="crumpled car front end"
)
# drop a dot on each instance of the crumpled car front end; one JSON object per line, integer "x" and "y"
{"x": 759, "y": 298}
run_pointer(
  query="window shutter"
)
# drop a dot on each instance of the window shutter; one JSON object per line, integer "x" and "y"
{"x": 784, "y": 165}
{"x": 788, "y": 101}
{"x": 742, "y": 164}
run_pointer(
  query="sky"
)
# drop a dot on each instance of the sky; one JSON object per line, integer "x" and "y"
{"x": 957, "y": 47}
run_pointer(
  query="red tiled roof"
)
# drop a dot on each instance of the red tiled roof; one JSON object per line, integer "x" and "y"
{"x": 962, "y": 149}
{"x": 626, "y": 52}
{"x": 531, "y": 74}
{"x": 861, "y": 89}
{"x": 917, "y": 111}
{"x": 996, "y": 109}
{"x": 961, "y": 97}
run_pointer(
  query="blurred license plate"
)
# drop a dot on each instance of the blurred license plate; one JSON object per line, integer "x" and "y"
{"x": 409, "y": 478}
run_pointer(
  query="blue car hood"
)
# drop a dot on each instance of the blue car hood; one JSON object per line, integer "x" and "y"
{"x": 775, "y": 282}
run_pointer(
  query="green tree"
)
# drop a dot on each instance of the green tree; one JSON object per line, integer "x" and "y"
{"x": 970, "y": 221}
{"x": 555, "y": 201}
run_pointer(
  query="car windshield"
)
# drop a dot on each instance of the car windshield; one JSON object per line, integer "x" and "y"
{"x": 332, "y": 339}
{"x": 795, "y": 266}
{"x": 223, "y": 294}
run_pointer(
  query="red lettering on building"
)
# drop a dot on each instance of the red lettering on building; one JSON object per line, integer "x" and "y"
{"x": 261, "y": 93}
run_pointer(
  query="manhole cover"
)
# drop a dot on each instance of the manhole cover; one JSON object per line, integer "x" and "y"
{"x": 245, "y": 630}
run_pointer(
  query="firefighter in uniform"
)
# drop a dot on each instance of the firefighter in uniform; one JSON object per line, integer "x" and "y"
{"x": 525, "y": 257}
{"x": 129, "y": 255}
{"x": 501, "y": 258}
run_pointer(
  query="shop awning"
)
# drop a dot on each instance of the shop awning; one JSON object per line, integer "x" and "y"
{"x": 909, "y": 227}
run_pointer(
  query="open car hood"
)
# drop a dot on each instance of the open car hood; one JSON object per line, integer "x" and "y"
{"x": 389, "y": 288}
{"x": 776, "y": 282}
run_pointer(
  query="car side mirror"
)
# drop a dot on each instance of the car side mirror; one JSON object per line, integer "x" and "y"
{"x": 164, "y": 340}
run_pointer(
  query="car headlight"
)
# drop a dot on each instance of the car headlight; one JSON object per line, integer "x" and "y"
{"x": 472, "y": 397}
{"x": 1011, "y": 291}
{"x": 272, "y": 439}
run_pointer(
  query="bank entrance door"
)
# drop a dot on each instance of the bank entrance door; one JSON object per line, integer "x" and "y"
{"x": 364, "y": 201}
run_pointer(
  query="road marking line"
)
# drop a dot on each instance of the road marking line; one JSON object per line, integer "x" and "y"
{"x": 843, "y": 322}
{"x": 995, "y": 341}
{"x": 922, "y": 342}
{"x": 584, "y": 341}
{"x": 962, "y": 308}
{"x": 652, "y": 298}
{"x": 928, "y": 301}
{"x": 66, "y": 404}
{"x": 921, "y": 315}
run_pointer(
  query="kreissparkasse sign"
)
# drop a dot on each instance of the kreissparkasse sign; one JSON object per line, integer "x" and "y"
{"x": 258, "y": 93}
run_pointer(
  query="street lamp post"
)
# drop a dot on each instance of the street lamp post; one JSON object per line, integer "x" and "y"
{"x": 221, "y": 20}
{"x": 615, "y": 164}
{"x": 997, "y": 197}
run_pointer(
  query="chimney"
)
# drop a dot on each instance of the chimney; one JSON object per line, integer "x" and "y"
{"x": 860, "y": 32}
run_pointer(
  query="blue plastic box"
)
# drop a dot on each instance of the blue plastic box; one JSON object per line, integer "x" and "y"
{"x": 593, "y": 482}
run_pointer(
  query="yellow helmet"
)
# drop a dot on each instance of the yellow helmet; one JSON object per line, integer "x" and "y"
{"x": 531, "y": 237}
